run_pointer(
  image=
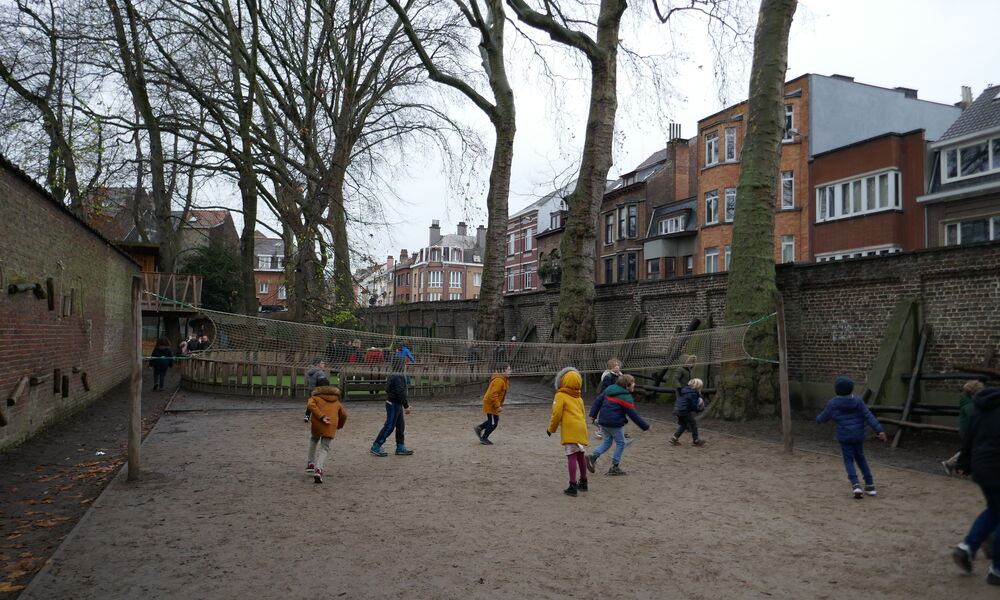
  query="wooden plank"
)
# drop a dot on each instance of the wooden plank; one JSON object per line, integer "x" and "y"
{"x": 15, "y": 395}
{"x": 135, "y": 391}
{"x": 786, "y": 406}
{"x": 910, "y": 424}
{"x": 914, "y": 383}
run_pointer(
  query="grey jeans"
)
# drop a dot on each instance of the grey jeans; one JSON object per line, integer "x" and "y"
{"x": 318, "y": 455}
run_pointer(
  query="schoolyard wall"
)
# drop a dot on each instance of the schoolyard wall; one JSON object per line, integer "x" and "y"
{"x": 89, "y": 327}
{"x": 836, "y": 312}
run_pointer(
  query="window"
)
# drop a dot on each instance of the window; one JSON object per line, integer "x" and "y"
{"x": 712, "y": 148}
{"x": 477, "y": 279}
{"x": 609, "y": 229}
{"x": 447, "y": 254}
{"x": 510, "y": 244}
{"x": 689, "y": 264}
{"x": 653, "y": 269}
{"x": 787, "y": 248}
{"x": 788, "y": 189}
{"x": 669, "y": 267}
{"x": 631, "y": 259}
{"x": 282, "y": 294}
{"x": 529, "y": 281}
{"x": 435, "y": 279}
{"x": 712, "y": 259}
{"x": 970, "y": 231}
{"x": 858, "y": 252}
{"x": 730, "y": 143}
{"x": 621, "y": 222}
{"x": 730, "y": 204}
{"x": 789, "y": 122}
{"x": 422, "y": 279}
{"x": 454, "y": 296}
{"x": 609, "y": 270}
{"x": 511, "y": 279}
{"x": 729, "y": 257}
{"x": 673, "y": 224}
{"x": 434, "y": 296}
{"x": 263, "y": 288}
{"x": 711, "y": 207}
{"x": 621, "y": 267}
{"x": 862, "y": 195}
{"x": 971, "y": 160}
{"x": 529, "y": 235}
{"x": 632, "y": 223}
{"x": 435, "y": 254}
{"x": 455, "y": 279}
{"x": 555, "y": 220}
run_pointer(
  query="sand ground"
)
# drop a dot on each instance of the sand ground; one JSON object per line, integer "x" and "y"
{"x": 224, "y": 510}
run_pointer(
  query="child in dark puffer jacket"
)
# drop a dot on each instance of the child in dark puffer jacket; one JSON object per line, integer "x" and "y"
{"x": 689, "y": 401}
{"x": 850, "y": 414}
{"x": 615, "y": 407}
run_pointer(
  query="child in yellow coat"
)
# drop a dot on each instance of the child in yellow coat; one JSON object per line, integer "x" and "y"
{"x": 569, "y": 417}
{"x": 328, "y": 415}
{"x": 493, "y": 404}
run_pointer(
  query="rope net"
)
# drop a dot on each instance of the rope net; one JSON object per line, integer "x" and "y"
{"x": 286, "y": 344}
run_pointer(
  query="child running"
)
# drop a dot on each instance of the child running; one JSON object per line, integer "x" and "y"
{"x": 615, "y": 407}
{"x": 688, "y": 402}
{"x": 313, "y": 374}
{"x": 850, "y": 414}
{"x": 328, "y": 415}
{"x": 493, "y": 403}
{"x": 567, "y": 416}
{"x": 396, "y": 406}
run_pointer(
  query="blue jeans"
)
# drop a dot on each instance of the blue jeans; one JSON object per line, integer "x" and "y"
{"x": 854, "y": 452}
{"x": 986, "y": 523}
{"x": 393, "y": 422}
{"x": 612, "y": 434}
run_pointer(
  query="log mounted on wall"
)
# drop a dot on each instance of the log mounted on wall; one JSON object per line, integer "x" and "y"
{"x": 14, "y": 396}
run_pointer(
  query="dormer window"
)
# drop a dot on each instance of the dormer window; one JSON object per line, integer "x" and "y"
{"x": 971, "y": 160}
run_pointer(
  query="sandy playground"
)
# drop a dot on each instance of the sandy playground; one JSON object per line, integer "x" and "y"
{"x": 224, "y": 510}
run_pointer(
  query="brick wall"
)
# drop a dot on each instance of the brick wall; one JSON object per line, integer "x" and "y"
{"x": 836, "y": 312}
{"x": 90, "y": 326}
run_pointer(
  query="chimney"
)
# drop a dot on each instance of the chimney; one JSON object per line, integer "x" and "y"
{"x": 461, "y": 228}
{"x": 390, "y": 264}
{"x": 908, "y": 92}
{"x": 675, "y": 131}
{"x": 481, "y": 237}
{"x": 435, "y": 232}
{"x": 404, "y": 256}
{"x": 966, "y": 97}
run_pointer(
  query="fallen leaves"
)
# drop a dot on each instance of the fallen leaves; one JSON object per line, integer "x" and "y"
{"x": 6, "y": 586}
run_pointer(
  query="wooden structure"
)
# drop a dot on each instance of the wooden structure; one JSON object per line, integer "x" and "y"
{"x": 181, "y": 287}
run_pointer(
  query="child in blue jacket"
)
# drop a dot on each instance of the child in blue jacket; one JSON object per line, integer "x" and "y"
{"x": 850, "y": 414}
{"x": 615, "y": 407}
{"x": 689, "y": 402}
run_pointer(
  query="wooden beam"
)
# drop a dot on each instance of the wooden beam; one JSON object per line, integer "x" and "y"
{"x": 40, "y": 379}
{"x": 135, "y": 406}
{"x": 786, "y": 405}
{"x": 15, "y": 395}
{"x": 931, "y": 426}
{"x": 914, "y": 383}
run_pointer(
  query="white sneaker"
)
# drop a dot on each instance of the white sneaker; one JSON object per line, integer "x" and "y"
{"x": 628, "y": 442}
{"x": 858, "y": 494}
{"x": 870, "y": 490}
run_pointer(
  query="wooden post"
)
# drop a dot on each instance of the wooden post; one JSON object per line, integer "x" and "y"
{"x": 18, "y": 390}
{"x": 914, "y": 383}
{"x": 786, "y": 405}
{"x": 135, "y": 406}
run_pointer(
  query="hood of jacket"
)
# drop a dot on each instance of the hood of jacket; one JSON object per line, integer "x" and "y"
{"x": 988, "y": 399}
{"x": 329, "y": 393}
{"x": 616, "y": 391}
{"x": 569, "y": 380}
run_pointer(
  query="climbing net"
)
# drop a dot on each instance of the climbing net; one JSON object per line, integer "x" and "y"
{"x": 287, "y": 344}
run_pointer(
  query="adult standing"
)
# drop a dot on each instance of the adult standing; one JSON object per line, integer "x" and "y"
{"x": 980, "y": 457}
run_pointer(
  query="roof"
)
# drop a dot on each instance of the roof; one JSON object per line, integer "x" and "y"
{"x": 265, "y": 246}
{"x": 203, "y": 219}
{"x": 983, "y": 113}
{"x": 453, "y": 240}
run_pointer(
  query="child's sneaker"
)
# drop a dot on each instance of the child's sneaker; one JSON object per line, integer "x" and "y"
{"x": 993, "y": 577}
{"x": 582, "y": 485}
{"x": 318, "y": 476}
{"x": 592, "y": 463}
{"x": 858, "y": 494}
{"x": 674, "y": 441}
{"x": 377, "y": 450}
{"x": 479, "y": 431}
{"x": 310, "y": 468}
{"x": 402, "y": 450}
{"x": 947, "y": 467}
{"x": 599, "y": 435}
{"x": 616, "y": 470}
{"x": 628, "y": 442}
{"x": 485, "y": 442}
{"x": 698, "y": 443}
{"x": 870, "y": 490}
{"x": 963, "y": 557}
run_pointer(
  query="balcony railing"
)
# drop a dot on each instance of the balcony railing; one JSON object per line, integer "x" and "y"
{"x": 179, "y": 287}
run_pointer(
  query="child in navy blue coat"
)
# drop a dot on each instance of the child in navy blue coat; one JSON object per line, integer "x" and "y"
{"x": 611, "y": 411}
{"x": 688, "y": 403}
{"x": 850, "y": 414}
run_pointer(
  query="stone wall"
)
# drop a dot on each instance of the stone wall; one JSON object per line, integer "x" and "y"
{"x": 836, "y": 312}
{"x": 89, "y": 324}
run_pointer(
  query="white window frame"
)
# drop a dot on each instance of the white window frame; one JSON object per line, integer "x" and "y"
{"x": 672, "y": 224}
{"x": 282, "y": 293}
{"x": 992, "y": 229}
{"x": 434, "y": 279}
{"x": 787, "y": 134}
{"x": 729, "y": 215}
{"x": 434, "y": 296}
{"x": 455, "y": 279}
{"x": 788, "y": 200}
{"x": 510, "y": 244}
{"x": 454, "y": 296}
{"x": 865, "y": 194}
{"x": 477, "y": 279}
{"x": 264, "y": 287}
{"x": 992, "y": 159}
{"x": 529, "y": 235}
{"x": 787, "y": 248}
{"x": 609, "y": 229}
{"x": 730, "y": 144}
{"x": 712, "y": 148}
{"x": 858, "y": 252}
{"x": 528, "y": 277}
{"x": 712, "y": 259}
{"x": 729, "y": 256}
{"x": 712, "y": 207}
{"x": 511, "y": 279}
{"x": 435, "y": 255}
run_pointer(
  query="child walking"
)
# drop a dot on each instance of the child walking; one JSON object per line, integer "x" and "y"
{"x": 161, "y": 359}
{"x": 328, "y": 415}
{"x": 689, "y": 402}
{"x": 396, "y": 406}
{"x": 850, "y": 414}
{"x": 493, "y": 403}
{"x": 313, "y": 374}
{"x": 615, "y": 407}
{"x": 567, "y": 416}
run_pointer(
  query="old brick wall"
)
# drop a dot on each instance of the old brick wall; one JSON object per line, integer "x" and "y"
{"x": 836, "y": 312}
{"x": 88, "y": 328}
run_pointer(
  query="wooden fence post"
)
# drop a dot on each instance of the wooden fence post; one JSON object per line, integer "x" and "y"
{"x": 135, "y": 405}
{"x": 786, "y": 406}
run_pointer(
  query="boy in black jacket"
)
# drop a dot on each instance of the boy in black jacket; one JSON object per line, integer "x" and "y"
{"x": 396, "y": 406}
{"x": 980, "y": 457}
{"x": 688, "y": 402}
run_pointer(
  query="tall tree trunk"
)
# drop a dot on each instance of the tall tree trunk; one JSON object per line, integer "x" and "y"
{"x": 343, "y": 281}
{"x": 748, "y": 389}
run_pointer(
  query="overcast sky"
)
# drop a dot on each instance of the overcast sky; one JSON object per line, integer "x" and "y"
{"x": 934, "y": 46}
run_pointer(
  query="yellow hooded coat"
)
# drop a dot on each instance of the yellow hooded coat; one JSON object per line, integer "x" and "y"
{"x": 567, "y": 409}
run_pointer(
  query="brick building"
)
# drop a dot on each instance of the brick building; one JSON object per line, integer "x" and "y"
{"x": 269, "y": 272}
{"x": 73, "y": 332}
{"x": 449, "y": 268}
{"x": 532, "y": 245}
{"x": 552, "y": 212}
{"x": 821, "y": 114}
{"x": 963, "y": 198}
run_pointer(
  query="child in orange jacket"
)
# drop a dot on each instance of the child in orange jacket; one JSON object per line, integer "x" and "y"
{"x": 493, "y": 403}
{"x": 328, "y": 415}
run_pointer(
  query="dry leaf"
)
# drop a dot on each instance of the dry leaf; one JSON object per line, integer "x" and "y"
{"x": 5, "y": 586}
